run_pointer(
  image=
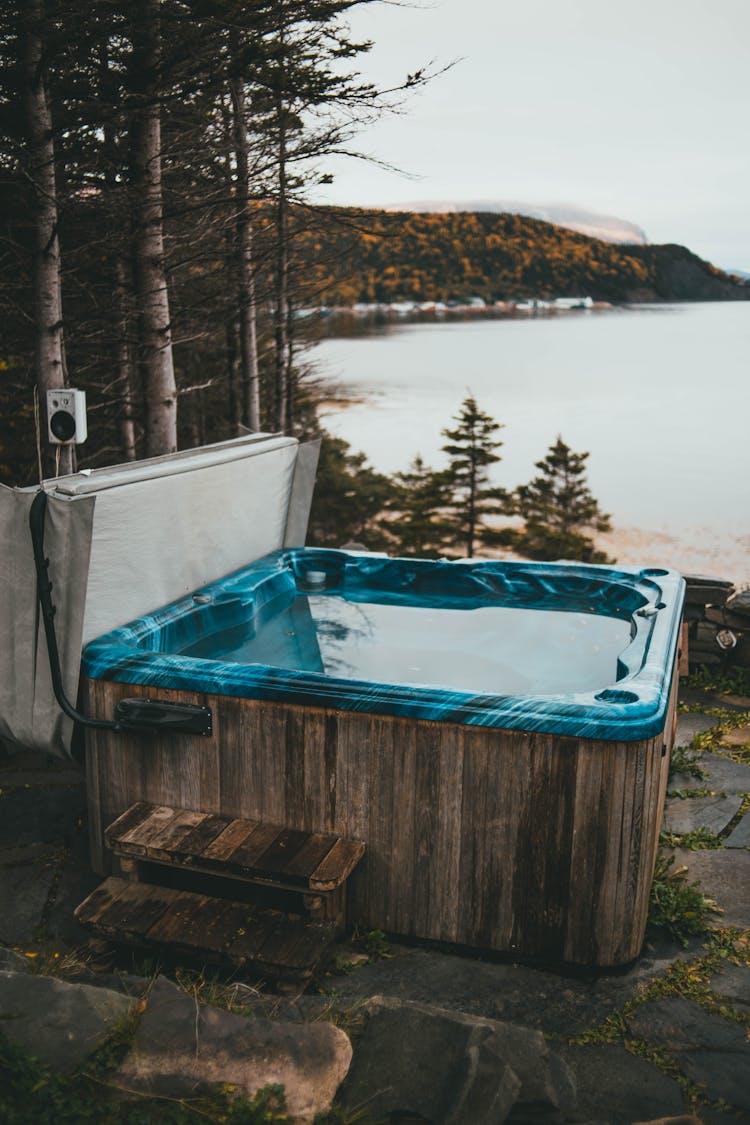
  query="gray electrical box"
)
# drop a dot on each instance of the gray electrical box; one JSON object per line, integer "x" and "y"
{"x": 66, "y": 416}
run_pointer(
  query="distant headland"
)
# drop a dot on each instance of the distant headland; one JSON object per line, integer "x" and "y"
{"x": 361, "y": 256}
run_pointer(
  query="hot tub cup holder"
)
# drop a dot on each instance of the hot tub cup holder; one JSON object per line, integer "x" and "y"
{"x": 616, "y": 695}
{"x": 314, "y": 579}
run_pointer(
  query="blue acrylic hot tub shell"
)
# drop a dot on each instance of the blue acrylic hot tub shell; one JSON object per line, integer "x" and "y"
{"x": 633, "y": 707}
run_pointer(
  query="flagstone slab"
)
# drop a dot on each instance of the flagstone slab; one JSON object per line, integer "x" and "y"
{"x": 691, "y": 723}
{"x": 24, "y": 891}
{"x": 712, "y": 1051}
{"x": 733, "y": 984}
{"x": 690, "y": 813}
{"x": 617, "y": 1087}
{"x": 740, "y": 836}
{"x": 724, "y": 875}
{"x": 740, "y": 736}
{"x": 722, "y": 775}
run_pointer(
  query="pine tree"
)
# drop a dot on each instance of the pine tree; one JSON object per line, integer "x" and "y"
{"x": 471, "y": 447}
{"x": 422, "y": 498}
{"x": 557, "y": 507}
{"x": 349, "y": 497}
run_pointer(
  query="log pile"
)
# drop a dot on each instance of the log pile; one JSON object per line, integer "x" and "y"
{"x": 718, "y": 620}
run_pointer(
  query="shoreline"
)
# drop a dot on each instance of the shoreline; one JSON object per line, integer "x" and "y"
{"x": 642, "y": 547}
{"x": 334, "y": 321}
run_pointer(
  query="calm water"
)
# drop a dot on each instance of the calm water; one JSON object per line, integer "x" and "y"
{"x": 660, "y": 397}
{"x": 490, "y": 649}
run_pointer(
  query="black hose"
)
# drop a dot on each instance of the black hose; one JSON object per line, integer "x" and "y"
{"x": 44, "y": 597}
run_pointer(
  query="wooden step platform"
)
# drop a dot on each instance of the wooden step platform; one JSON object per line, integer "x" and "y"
{"x": 232, "y": 860}
{"x": 229, "y": 934}
{"x": 238, "y": 849}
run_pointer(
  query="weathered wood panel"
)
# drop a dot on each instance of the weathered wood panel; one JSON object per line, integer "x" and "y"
{"x": 237, "y": 849}
{"x": 228, "y": 933}
{"x": 533, "y": 843}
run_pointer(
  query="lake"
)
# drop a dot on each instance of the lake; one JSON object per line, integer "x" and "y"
{"x": 659, "y": 396}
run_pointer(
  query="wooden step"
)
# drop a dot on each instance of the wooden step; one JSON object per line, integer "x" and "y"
{"x": 240, "y": 849}
{"x": 230, "y": 934}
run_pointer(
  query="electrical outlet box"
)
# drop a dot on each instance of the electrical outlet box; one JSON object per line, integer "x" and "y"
{"x": 66, "y": 416}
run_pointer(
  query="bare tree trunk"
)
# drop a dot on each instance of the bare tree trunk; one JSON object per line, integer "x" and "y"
{"x": 281, "y": 352}
{"x": 472, "y": 512}
{"x": 291, "y": 387}
{"x": 245, "y": 269}
{"x": 124, "y": 362}
{"x": 155, "y": 353}
{"x": 122, "y": 296}
{"x": 233, "y": 369}
{"x": 49, "y": 353}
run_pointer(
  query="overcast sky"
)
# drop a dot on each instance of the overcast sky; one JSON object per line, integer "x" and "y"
{"x": 636, "y": 109}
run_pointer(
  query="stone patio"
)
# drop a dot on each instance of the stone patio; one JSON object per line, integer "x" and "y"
{"x": 615, "y": 1048}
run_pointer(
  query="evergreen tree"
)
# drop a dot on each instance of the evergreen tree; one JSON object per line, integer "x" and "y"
{"x": 557, "y": 507}
{"x": 349, "y": 498}
{"x": 422, "y": 498}
{"x": 35, "y": 32}
{"x": 471, "y": 447}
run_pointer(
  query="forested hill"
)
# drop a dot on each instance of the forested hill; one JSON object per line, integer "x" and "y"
{"x": 366, "y": 255}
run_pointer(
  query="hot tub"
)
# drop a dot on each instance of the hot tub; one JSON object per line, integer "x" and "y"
{"x": 497, "y": 733}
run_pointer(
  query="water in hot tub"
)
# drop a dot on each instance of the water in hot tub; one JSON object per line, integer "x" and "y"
{"x": 494, "y": 649}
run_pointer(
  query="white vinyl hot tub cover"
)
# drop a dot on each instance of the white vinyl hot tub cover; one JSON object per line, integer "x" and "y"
{"x": 125, "y": 540}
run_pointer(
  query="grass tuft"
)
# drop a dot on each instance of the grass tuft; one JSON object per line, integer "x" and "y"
{"x": 679, "y": 907}
{"x": 699, "y": 840}
{"x": 736, "y": 682}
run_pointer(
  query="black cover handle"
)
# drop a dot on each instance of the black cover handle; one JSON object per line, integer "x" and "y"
{"x": 160, "y": 715}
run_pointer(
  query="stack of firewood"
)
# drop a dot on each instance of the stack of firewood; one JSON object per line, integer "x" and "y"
{"x": 718, "y": 620}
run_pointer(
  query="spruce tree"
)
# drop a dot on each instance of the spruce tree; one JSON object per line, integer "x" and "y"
{"x": 558, "y": 507}
{"x": 471, "y": 448}
{"x": 349, "y": 498}
{"x": 422, "y": 499}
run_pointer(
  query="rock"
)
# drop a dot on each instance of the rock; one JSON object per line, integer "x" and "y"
{"x": 687, "y": 814}
{"x": 702, "y": 590}
{"x": 733, "y": 984}
{"x": 682, "y": 1119}
{"x": 691, "y": 723}
{"x": 739, "y": 603}
{"x": 59, "y": 1023}
{"x": 24, "y": 891}
{"x": 128, "y": 984}
{"x": 712, "y": 1051}
{"x": 725, "y": 619}
{"x": 723, "y": 775}
{"x": 75, "y": 882}
{"x": 516, "y": 993}
{"x": 40, "y": 814}
{"x": 12, "y": 962}
{"x": 452, "y": 1068}
{"x": 740, "y": 836}
{"x": 741, "y": 653}
{"x": 740, "y": 736}
{"x": 619, "y": 1088}
{"x": 181, "y": 1044}
{"x": 724, "y": 875}
{"x": 734, "y": 702}
{"x": 705, "y": 658}
{"x": 703, "y": 634}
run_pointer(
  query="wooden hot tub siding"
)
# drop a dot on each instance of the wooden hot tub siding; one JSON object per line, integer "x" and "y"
{"x": 503, "y": 840}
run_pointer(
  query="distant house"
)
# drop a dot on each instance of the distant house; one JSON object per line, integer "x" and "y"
{"x": 573, "y": 303}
